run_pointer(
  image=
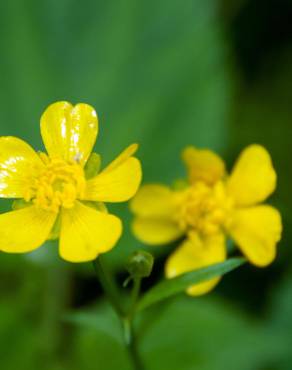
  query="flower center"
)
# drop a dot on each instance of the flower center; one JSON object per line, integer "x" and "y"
{"x": 58, "y": 185}
{"x": 204, "y": 208}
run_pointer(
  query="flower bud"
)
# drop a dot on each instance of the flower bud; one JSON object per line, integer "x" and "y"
{"x": 140, "y": 264}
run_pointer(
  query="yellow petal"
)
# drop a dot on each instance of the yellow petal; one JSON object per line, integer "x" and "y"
{"x": 19, "y": 164}
{"x": 156, "y": 231}
{"x": 194, "y": 254}
{"x": 69, "y": 132}
{"x": 25, "y": 230}
{"x": 256, "y": 230}
{"x": 203, "y": 165}
{"x": 153, "y": 200}
{"x": 118, "y": 182}
{"x": 86, "y": 232}
{"x": 122, "y": 157}
{"x": 253, "y": 178}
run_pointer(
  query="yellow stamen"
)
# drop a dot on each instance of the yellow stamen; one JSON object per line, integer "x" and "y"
{"x": 59, "y": 185}
{"x": 203, "y": 208}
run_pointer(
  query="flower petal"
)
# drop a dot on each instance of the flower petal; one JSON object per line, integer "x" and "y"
{"x": 25, "y": 230}
{"x": 122, "y": 157}
{"x": 153, "y": 200}
{"x": 86, "y": 232}
{"x": 118, "y": 182}
{"x": 156, "y": 231}
{"x": 203, "y": 165}
{"x": 69, "y": 132}
{"x": 253, "y": 178}
{"x": 196, "y": 253}
{"x": 256, "y": 230}
{"x": 19, "y": 164}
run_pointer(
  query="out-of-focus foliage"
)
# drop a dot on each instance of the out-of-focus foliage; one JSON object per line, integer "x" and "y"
{"x": 165, "y": 74}
{"x": 184, "y": 332}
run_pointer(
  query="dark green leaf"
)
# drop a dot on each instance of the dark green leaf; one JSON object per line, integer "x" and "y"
{"x": 176, "y": 285}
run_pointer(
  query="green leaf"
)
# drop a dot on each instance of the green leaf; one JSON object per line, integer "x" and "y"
{"x": 210, "y": 333}
{"x": 279, "y": 320}
{"x": 179, "y": 284}
{"x": 102, "y": 319}
{"x": 98, "y": 335}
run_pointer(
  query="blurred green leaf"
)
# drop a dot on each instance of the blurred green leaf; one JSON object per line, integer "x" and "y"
{"x": 281, "y": 305}
{"x": 186, "y": 333}
{"x": 101, "y": 318}
{"x": 18, "y": 336}
{"x": 279, "y": 319}
{"x": 98, "y": 339}
{"x": 204, "y": 334}
{"x": 168, "y": 288}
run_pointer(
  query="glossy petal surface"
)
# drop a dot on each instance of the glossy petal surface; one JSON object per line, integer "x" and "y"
{"x": 118, "y": 182}
{"x": 19, "y": 164}
{"x": 86, "y": 232}
{"x": 69, "y": 132}
{"x": 25, "y": 230}
{"x": 122, "y": 157}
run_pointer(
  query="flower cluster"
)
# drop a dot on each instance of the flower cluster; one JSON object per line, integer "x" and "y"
{"x": 63, "y": 196}
{"x": 210, "y": 207}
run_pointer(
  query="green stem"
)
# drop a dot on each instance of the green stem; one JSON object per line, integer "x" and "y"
{"x": 108, "y": 286}
{"x": 54, "y": 333}
{"x": 129, "y": 334}
{"x": 134, "y": 298}
{"x": 112, "y": 294}
{"x": 131, "y": 343}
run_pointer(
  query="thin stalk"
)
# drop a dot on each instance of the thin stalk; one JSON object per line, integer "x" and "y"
{"x": 131, "y": 344}
{"x": 126, "y": 319}
{"x": 129, "y": 334}
{"x": 134, "y": 297}
{"x": 108, "y": 286}
{"x": 53, "y": 331}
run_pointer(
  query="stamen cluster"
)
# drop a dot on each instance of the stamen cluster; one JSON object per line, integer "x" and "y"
{"x": 59, "y": 184}
{"x": 204, "y": 208}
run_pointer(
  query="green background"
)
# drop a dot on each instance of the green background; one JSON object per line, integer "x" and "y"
{"x": 165, "y": 74}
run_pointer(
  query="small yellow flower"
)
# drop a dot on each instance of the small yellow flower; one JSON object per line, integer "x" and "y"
{"x": 210, "y": 207}
{"x": 57, "y": 191}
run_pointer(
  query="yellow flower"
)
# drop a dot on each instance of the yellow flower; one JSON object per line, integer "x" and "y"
{"x": 57, "y": 192}
{"x": 210, "y": 207}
